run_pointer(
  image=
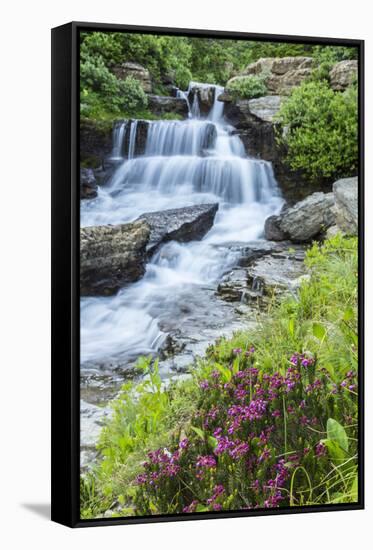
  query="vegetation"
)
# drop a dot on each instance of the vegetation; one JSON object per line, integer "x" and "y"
{"x": 267, "y": 419}
{"x": 172, "y": 59}
{"x": 247, "y": 87}
{"x": 321, "y": 134}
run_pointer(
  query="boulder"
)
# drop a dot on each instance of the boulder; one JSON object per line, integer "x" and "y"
{"x": 136, "y": 71}
{"x": 272, "y": 229}
{"x": 112, "y": 256}
{"x": 88, "y": 184}
{"x": 346, "y": 205}
{"x": 308, "y": 218}
{"x": 343, "y": 74}
{"x": 281, "y": 74}
{"x": 180, "y": 224}
{"x": 160, "y": 105}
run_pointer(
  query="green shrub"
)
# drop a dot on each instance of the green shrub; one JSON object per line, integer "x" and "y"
{"x": 247, "y": 87}
{"x": 321, "y": 133}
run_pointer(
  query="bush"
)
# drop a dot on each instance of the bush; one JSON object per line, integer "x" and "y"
{"x": 268, "y": 419}
{"x": 247, "y": 87}
{"x": 321, "y": 134}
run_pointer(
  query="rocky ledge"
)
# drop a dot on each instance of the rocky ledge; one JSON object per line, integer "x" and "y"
{"x": 112, "y": 256}
{"x": 311, "y": 218}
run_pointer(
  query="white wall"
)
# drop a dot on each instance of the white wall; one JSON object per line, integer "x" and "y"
{"x": 25, "y": 267}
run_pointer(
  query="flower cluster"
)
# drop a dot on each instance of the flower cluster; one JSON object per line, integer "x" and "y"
{"x": 252, "y": 430}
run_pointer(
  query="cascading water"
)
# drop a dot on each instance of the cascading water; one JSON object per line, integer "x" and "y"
{"x": 188, "y": 162}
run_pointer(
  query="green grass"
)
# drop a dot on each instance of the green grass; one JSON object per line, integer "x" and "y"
{"x": 320, "y": 322}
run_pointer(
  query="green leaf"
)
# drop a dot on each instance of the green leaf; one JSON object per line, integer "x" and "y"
{"x": 318, "y": 331}
{"x": 201, "y": 508}
{"x": 291, "y": 327}
{"x": 336, "y": 453}
{"x": 337, "y": 433}
{"x": 199, "y": 432}
{"x": 348, "y": 314}
{"x": 212, "y": 441}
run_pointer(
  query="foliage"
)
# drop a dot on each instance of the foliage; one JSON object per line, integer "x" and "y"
{"x": 247, "y": 87}
{"x": 269, "y": 418}
{"x": 321, "y": 130}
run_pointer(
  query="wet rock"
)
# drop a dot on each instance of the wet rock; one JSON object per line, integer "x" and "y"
{"x": 343, "y": 74}
{"x": 160, "y": 105}
{"x": 95, "y": 142}
{"x": 272, "y": 229}
{"x": 278, "y": 269}
{"x": 88, "y": 184}
{"x": 309, "y": 218}
{"x": 136, "y": 71}
{"x": 346, "y": 205}
{"x": 112, "y": 256}
{"x": 180, "y": 224}
{"x": 273, "y": 275}
{"x": 205, "y": 95}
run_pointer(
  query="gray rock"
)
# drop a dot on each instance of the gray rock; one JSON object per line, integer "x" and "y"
{"x": 88, "y": 184}
{"x": 282, "y": 74}
{"x": 272, "y": 229}
{"x": 273, "y": 275}
{"x": 309, "y": 218}
{"x": 265, "y": 108}
{"x": 346, "y": 205}
{"x": 136, "y": 71}
{"x": 343, "y": 74}
{"x": 112, "y": 256}
{"x": 180, "y": 224}
{"x": 205, "y": 95}
{"x": 160, "y": 105}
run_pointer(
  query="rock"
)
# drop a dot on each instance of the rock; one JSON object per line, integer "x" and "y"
{"x": 95, "y": 141}
{"x": 332, "y": 231}
{"x": 309, "y": 218}
{"x": 88, "y": 184}
{"x": 112, "y": 256}
{"x": 181, "y": 224}
{"x": 343, "y": 74}
{"x": 282, "y": 74}
{"x": 137, "y": 71}
{"x": 272, "y": 229}
{"x": 160, "y": 105}
{"x": 278, "y": 269}
{"x": 233, "y": 285}
{"x": 265, "y": 108}
{"x": 346, "y": 205}
{"x": 273, "y": 275}
{"x": 205, "y": 95}
{"x": 225, "y": 97}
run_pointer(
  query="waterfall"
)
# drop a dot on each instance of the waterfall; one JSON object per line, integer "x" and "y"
{"x": 193, "y": 161}
{"x": 132, "y": 139}
{"x": 118, "y": 137}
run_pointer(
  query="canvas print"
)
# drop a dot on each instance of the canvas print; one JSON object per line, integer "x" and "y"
{"x": 218, "y": 274}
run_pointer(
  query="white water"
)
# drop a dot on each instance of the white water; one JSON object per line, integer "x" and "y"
{"x": 185, "y": 162}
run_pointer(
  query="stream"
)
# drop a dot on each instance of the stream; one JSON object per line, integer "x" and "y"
{"x": 188, "y": 162}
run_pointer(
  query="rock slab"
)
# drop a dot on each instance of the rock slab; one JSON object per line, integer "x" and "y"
{"x": 112, "y": 256}
{"x": 180, "y": 224}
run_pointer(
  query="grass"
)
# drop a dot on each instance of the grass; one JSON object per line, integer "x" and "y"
{"x": 300, "y": 448}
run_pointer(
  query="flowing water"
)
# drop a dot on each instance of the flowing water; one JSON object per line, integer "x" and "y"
{"x": 187, "y": 162}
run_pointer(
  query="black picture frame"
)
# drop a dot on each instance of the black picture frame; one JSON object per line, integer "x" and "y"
{"x": 65, "y": 272}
